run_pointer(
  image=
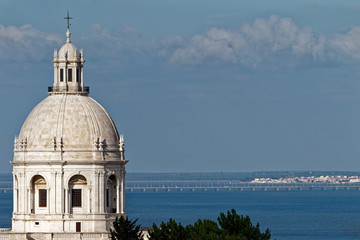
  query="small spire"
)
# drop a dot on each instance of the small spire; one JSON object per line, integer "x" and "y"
{"x": 68, "y": 20}
{"x": 16, "y": 143}
{"x": 121, "y": 147}
{"x": 55, "y": 53}
{"x": 68, "y": 34}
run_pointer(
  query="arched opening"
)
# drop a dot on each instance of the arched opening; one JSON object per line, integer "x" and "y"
{"x": 111, "y": 195}
{"x": 69, "y": 75}
{"x": 61, "y": 74}
{"x": 38, "y": 195}
{"x": 77, "y": 190}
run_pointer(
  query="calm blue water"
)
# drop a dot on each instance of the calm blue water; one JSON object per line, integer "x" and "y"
{"x": 290, "y": 215}
{"x": 294, "y": 215}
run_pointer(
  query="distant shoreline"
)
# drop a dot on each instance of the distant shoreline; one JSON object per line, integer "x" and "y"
{"x": 239, "y": 176}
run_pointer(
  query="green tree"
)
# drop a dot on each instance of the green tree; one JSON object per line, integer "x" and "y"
{"x": 170, "y": 230}
{"x": 238, "y": 225}
{"x": 125, "y": 229}
{"x": 204, "y": 230}
{"x": 230, "y": 226}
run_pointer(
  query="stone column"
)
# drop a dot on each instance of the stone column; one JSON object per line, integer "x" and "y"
{"x": 52, "y": 194}
{"x": 59, "y": 196}
{"x": 122, "y": 189}
{"x": 118, "y": 197}
{"x": 66, "y": 200}
{"x": 15, "y": 188}
{"x": 82, "y": 76}
{"x": 89, "y": 198}
{"x": 56, "y": 79}
{"x": 15, "y": 196}
{"x": 23, "y": 194}
{"x": 48, "y": 199}
{"x": 94, "y": 192}
{"x": 101, "y": 191}
{"x": 66, "y": 75}
{"x": 106, "y": 199}
{"x": 29, "y": 205}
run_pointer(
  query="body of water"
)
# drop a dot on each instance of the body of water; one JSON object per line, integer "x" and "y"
{"x": 290, "y": 215}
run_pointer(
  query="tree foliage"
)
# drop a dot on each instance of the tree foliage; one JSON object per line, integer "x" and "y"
{"x": 230, "y": 226}
{"x": 170, "y": 230}
{"x": 239, "y": 225}
{"x": 204, "y": 230}
{"x": 125, "y": 229}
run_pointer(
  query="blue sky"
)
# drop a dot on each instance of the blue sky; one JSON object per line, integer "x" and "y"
{"x": 199, "y": 85}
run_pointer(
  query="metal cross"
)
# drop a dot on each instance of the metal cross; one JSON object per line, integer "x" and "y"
{"x": 68, "y": 20}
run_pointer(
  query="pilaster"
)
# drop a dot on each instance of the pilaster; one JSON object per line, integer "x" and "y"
{"x": 122, "y": 189}
{"x": 101, "y": 192}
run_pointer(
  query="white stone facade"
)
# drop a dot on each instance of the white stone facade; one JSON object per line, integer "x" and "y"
{"x": 69, "y": 164}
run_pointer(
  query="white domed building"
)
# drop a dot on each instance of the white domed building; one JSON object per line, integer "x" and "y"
{"x": 69, "y": 165}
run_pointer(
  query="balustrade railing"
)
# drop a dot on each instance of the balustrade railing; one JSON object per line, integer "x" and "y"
{"x": 51, "y": 89}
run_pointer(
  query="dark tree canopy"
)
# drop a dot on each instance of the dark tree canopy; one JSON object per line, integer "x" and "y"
{"x": 238, "y": 225}
{"x": 125, "y": 229}
{"x": 168, "y": 231}
{"x": 230, "y": 226}
{"x": 204, "y": 230}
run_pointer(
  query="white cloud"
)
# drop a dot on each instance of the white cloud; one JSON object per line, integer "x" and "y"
{"x": 347, "y": 44}
{"x": 274, "y": 40}
{"x": 252, "y": 44}
{"x": 216, "y": 44}
{"x": 25, "y": 42}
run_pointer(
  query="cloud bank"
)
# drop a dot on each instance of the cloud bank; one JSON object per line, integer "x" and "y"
{"x": 252, "y": 43}
{"x": 347, "y": 44}
{"x": 25, "y": 43}
{"x": 273, "y": 40}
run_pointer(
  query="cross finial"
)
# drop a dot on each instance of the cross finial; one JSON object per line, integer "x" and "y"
{"x": 68, "y": 19}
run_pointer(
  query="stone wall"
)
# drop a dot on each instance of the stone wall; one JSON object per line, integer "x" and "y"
{"x": 6, "y": 234}
{"x": 53, "y": 236}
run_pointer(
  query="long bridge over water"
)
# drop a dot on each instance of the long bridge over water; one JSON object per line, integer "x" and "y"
{"x": 218, "y": 185}
{"x": 221, "y": 185}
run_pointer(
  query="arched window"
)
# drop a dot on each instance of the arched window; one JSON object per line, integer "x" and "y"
{"x": 38, "y": 194}
{"x": 77, "y": 187}
{"x": 61, "y": 75}
{"x": 111, "y": 195}
{"x": 69, "y": 75}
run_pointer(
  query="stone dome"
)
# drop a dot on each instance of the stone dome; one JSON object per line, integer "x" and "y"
{"x": 78, "y": 121}
{"x": 69, "y": 161}
{"x": 69, "y": 52}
